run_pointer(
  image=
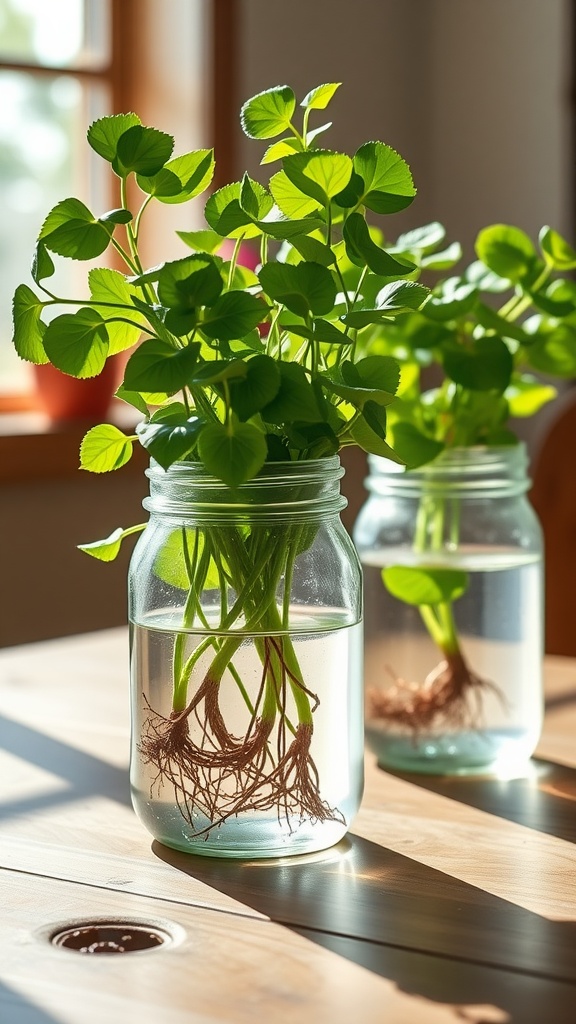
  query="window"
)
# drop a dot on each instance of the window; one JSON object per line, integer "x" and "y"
{"x": 56, "y": 75}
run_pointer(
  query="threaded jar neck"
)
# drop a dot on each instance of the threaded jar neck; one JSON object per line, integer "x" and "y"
{"x": 475, "y": 472}
{"x": 281, "y": 490}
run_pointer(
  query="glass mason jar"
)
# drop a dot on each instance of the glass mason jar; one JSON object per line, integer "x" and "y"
{"x": 452, "y": 559}
{"x": 246, "y": 662}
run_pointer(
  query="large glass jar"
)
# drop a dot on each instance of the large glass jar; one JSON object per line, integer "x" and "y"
{"x": 246, "y": 662}
{"x": 452, "y": 559}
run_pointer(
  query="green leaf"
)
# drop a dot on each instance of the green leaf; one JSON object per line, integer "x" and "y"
{"x": 485, "y": 365}
{"x": 182, "y": 178}
{"x": 369, "y": 434}
{"x": 381, "y": 372}
{"x": 233, "y": 316}
{"x": 555, "y": 352}
{"x": 444, "y": 260}
{"x": 424, "y": 239}
{"x": 289, "y": 199}
{"x": 77, "y": 343}
{"x": 317, "y": 439}
{"x": 319, "y": 98}
{"x": 384, "y": 183}
{"x": 304, "y": 288}
{"x": 170, "y": 435}
{"x": 277, "y": 226}
{"x": 71, "y": 230}
{"x": 110, "y": 286}
{"x": 28, "y": 327}
{"x": 225, "y": 215}
{"x": 108, "y": 549}
{"x": 268, "y": 113}
{"x": 133, "y": 398}
{"x": 356, "y": 396}
{"x": 491, "y": 320}
{"x": 202, "y": 241}
{"x": 157, "y": 366}
{"x": 485, "y": 280}
{"x": 320, "y": 174}
{"x": 556, "y": 250}
{"x": 103, "y": 134}
{"x": 233, "y": 453}
{"x": 42, "y": 263}
{"x": 280, "y": 149}
{"x": 190, "y": 282}
{"x": 414, "y": 448}
{"x": 364, "y": 252}
{"x": 526, "y": 395}
{"x": 505, "y": 250}
{"x": 295, "y": 400}
{"x": 452, "y": 300}
{"x": 319, "y": 330}
{"x": 119, "y": 216}
{"x": 142, "y": 150}
{"x": 313, "y": 250}
{"x": 418, "y": 586}
{"x": 104, "y": 448}
{"x": 259, "y": 387}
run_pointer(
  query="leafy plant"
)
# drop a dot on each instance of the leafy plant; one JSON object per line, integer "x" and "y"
{"x": 232, "y": 369}
{"x": 484, "y": 336}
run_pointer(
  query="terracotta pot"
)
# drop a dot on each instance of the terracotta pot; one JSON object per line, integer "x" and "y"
{"x": 63, "y": 397}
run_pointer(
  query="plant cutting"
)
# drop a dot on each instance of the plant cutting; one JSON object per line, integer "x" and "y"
{"x": 480, "y": 339}
{"x": 248, "y": 384}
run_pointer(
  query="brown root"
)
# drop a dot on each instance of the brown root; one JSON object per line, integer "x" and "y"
{"x": 216, "y": 775}
{"x": 449, "y": 698}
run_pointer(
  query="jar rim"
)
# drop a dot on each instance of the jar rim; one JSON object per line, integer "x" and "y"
{"x": 274, "y": 471}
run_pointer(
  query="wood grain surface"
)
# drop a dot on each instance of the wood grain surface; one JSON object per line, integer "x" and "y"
{"x": 450, "y": 899}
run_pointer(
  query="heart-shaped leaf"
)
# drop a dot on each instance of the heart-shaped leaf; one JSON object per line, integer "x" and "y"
{"x": 293, "y": 203}
{"x": 557, "y": 252}
{"x": 257, "y": 389}
{"x": 320, "y": 174}
{"x": 111, "y": 287}
{"x": 319, "y": 98}
{"x": 77, "y": 343}
{"x": 304, "y": 288}
{"x": 142, "y": 150}
{"x": 189, "y": 282}
{"x": 104, "y": 448}
{"x": 103, "y": 134}
{"x": 233, "y": 453}
{"x": 507, "y": 251}
{"x": 157, "y": 366}
{"x": 71, "y": 230}
{"x": 233, "y": 316}
{"x": 170, "y": 435}
{"x": 295, "y": 400}
{"x": 269, "y": 113}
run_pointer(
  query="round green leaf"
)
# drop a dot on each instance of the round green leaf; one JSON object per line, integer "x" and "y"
{"x": 424, "y": 239}
{"x": 304, "y": 288}
{"x": 172, "y": 560}
{"x": 170, "y": 436}
{"x": 157, "y": 366}
{"x": 110, "y": 287}
{"x": 259, "y": 387}
{"x": 505, "y": 250}
{"x": 556, "y": 250}
{"x": 385, "y": 178}
{"x": 486, "y": 365}
{"x": 424, "y": 586}
{"x": 71, "y": 230}
{"x": 189, "y": 282}
{"x": 526, "y": 396}
{"x": 289, "y": 199}
{"x": 414, "y": 448}
{"x": 233, "y": 316}
{"x": 364, "y": 252}
{"x": 295, "y": 400}
{"x": 182, "y": 178}
{"x": 103, "y": 134}
{"x": 233, "y": 453}
{"x": 77, "y": 343}
{"x": 269, "y": 113}
{"x": 280, "y": 149}
{"x": 104, "y": 448}
{"x": 143, "y": 150}
{"x": 554, "y": 352}
{"x": 225, "y": 215}
{"x": 28, "y": 327}
{"x": 321, "y": 174}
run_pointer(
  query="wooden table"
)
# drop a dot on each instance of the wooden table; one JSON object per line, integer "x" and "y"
{"x": 450, "y": 900}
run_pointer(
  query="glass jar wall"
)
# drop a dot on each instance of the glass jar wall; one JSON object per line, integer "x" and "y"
{"x": 452, "y": 560}
{"x": 246, "y": 654}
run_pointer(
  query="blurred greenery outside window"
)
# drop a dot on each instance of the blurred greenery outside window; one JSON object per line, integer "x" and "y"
{"x": 56, "y": 76}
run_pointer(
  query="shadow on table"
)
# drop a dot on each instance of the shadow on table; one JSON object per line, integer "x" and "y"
{"x": 85, "y": 774}
{"x": 15, "y": 1009}
{"x": 545, "y": 800}
{"x": 433, "y": 935}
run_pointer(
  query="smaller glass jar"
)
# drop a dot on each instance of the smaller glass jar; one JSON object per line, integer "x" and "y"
{"x": 452, "y": 560}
